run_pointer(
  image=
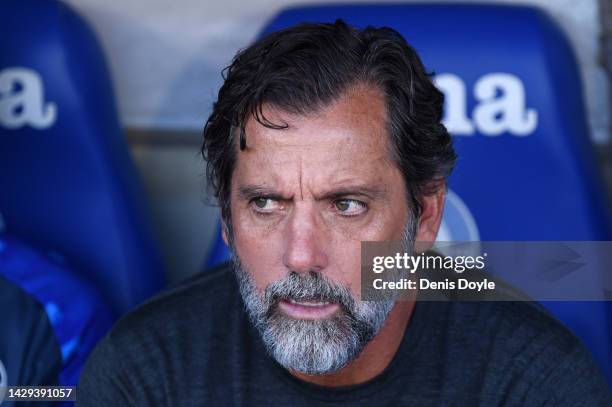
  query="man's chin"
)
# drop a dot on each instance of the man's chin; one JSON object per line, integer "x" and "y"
{"x": 297, "y": 372}
{"x": 313, "y": 346}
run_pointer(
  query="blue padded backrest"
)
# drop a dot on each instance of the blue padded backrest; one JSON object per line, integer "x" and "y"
{"x": 514, "y": 104}
{"x": 67, "y": 181}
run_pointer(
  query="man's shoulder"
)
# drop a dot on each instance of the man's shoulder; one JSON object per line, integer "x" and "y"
{"x": 201, "y": 301}
{"x": 519, "y": 338}
{"x": 525, "y": 350}
{"x": 513, "y": 324}
{"x": 180, "y": 336}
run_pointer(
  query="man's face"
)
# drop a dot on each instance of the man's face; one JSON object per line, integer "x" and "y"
{"x": 302, "y": 200}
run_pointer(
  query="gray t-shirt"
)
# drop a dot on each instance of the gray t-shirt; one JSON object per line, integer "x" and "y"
{"x": 194, "y": 346}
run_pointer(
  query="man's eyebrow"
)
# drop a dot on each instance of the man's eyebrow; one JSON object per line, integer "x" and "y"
{"x": 356, "y": 190}
{"x": 254, "y": 191}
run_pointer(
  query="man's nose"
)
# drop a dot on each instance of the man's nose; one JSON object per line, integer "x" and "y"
{"x": 305, "y": 249}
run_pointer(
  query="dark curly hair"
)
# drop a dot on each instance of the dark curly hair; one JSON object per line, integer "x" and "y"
{"x": 306, "y": 67}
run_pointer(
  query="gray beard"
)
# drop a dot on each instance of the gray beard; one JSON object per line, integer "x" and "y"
{"x": 314, "y": 346}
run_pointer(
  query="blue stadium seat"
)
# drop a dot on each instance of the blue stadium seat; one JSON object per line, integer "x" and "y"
{"x": 67, "y": 182}
{"x": 514, "y": 106}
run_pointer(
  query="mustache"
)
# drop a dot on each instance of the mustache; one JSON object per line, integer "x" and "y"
{"x": 310, "y": 287}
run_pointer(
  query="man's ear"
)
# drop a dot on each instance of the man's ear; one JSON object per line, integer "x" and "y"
{"x": 432, "y": 207}
{"x": 224, "y": 233}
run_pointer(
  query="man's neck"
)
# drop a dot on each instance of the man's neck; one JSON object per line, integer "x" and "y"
{"x": 376, "y": 355}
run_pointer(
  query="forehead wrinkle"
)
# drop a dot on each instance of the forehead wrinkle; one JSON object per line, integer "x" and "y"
{"x": 300, "y": 177}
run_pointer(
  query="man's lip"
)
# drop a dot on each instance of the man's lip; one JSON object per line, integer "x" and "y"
{"x": 307, "y": 309}
{"x": 308, "y": 303}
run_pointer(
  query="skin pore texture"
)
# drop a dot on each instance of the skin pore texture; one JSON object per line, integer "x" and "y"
{"x": 303, "y": 199}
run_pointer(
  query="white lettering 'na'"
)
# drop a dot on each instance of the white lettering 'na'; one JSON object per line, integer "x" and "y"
{"x": 500, "y": 106}
{"x": 25, "y": 106}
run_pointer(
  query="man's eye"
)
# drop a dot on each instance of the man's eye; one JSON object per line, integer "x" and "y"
{"x": 262, "y": 204}
{"x": 350, "y": 207}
